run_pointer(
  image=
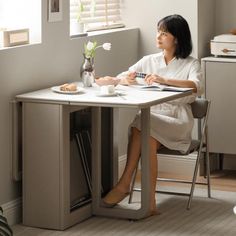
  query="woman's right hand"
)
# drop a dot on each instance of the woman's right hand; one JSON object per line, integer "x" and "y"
{"x": 129, "y": 79}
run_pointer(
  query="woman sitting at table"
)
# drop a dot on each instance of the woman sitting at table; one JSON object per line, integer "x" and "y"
{"x": 171, "y": 123}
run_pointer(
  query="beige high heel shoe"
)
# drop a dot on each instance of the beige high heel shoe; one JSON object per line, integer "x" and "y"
{"x": 114, "y": 197}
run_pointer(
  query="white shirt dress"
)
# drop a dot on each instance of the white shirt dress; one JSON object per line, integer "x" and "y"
{"x": 171, "y": 123}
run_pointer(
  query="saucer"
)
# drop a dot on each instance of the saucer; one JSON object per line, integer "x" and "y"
{"x": 107, "y": 94}
{"x": 115, "y": 94}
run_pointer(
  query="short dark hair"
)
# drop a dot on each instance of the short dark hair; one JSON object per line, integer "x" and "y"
{"x": 178, "y": 27}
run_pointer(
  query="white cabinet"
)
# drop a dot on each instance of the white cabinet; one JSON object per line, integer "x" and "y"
{"x": 220, "y": 88}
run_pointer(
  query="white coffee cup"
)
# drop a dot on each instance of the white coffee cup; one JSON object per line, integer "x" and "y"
{"x": 107, "y": 89}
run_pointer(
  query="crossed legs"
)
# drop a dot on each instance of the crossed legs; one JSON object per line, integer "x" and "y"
{"x": 121, "y": 190}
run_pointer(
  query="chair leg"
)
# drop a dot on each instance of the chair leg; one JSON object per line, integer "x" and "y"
{"x": 208, "y": 176}
{"x": 205, "y": 165}
{"x": 132, "y": 185}
{"x": 208, "y": 169}
{"x": 194, "y": 179}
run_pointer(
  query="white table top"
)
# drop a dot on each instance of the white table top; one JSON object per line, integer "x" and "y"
{"x": 132, "y": 96}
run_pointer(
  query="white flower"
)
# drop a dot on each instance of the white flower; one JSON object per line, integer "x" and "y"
{"x": 106, "y": 46}
{"x": 90, "y": 45}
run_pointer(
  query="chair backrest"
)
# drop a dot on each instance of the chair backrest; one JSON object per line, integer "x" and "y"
{"x": 200, "y": 108}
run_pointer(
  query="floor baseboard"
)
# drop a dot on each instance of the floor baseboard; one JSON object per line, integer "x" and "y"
{"x": 169, "y": 164}
{"x": 179, "y": 164}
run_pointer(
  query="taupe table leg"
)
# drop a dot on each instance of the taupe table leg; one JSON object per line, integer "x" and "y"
{"x": 96, "y": 159}
{"x": 97, "y": 209}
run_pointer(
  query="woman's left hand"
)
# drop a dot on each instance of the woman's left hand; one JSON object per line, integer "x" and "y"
{"x": 151, "y": 78}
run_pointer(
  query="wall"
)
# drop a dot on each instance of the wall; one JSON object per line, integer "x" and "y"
{"x": 55, "y": 61}
{"x": 225, "y": 16}
{"x": 206, "y": 26}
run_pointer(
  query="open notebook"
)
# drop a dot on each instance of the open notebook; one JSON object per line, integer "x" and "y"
{"x": 159, "y": 87}
{"x": 155, "y": 86}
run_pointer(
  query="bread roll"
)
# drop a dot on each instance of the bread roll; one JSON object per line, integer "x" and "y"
{"x": 71, "y": 87}
{"x": 68, "y": 87}
{"x": 63, "y": 87}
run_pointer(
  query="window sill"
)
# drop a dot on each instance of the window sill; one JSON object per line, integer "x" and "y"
{"x": 100, "y": 32}
{"x": 19, "y": 46}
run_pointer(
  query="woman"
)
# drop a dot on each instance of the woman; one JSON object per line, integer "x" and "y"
{"x": 171, "y": 122}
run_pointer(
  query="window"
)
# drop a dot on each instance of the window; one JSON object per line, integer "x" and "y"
{"x": 17, "y": 15}
{"x": 96, "y": 14}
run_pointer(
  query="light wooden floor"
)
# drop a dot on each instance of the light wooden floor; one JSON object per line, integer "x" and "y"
{"x": 224, "y": 180}
{"x": 220, "y": 180}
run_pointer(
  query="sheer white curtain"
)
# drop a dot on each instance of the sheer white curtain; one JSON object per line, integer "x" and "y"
{"x": 97, "y": 14}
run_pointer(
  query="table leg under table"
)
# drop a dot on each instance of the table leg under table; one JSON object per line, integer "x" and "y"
{"x": 97, "y": 208}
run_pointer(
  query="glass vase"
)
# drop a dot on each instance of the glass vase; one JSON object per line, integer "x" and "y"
{"x": 87, "y": 72}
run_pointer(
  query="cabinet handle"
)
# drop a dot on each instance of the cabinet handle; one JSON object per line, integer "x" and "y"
{"x": 225, "y": 50}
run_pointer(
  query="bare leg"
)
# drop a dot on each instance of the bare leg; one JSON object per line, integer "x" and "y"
{"x": 121, "y": 190}
{"x": 133, "y": 155}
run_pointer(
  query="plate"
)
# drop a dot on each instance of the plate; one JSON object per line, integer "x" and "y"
{"x": 58, "y": 90}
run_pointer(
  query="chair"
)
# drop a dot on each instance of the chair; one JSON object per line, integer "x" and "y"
{"x": 200, "y": 109}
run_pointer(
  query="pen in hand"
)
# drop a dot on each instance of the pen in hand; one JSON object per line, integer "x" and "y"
{"x": 143, "y": 76}
{"x": 140, "y": 75}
